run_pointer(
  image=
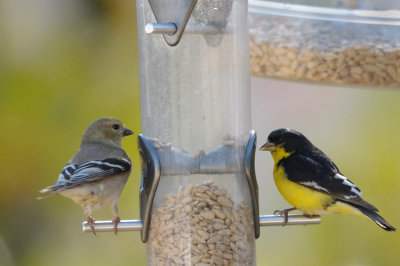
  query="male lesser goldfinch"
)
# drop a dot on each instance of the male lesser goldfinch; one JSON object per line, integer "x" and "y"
{"x": 311, "y": 182}
{"x": 97, "y": 173}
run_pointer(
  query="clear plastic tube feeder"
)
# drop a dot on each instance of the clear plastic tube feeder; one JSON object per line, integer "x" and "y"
{"x": 196, "y": 199}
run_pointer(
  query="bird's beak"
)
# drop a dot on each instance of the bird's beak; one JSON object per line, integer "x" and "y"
{"x": 268, "y": 146}
{"x": 127, "y": 132}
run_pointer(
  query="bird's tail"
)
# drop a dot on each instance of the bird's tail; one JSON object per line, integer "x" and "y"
{"x": 376, "y": 218}
{"x": 48, "y": 191}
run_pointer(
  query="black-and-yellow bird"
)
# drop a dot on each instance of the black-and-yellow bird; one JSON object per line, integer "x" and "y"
{"x": 311, "y": 182}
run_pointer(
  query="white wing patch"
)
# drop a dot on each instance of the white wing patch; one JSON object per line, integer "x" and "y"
{"x": 65, "y": 174}
{"x": 314, "y": 185}
{"x": 72, "y": 175}
{"x": 356, "y": 191}
{"x": 347, "y": 182}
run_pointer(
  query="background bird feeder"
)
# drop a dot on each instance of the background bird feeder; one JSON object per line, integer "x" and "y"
{"x": 199, "y": 194}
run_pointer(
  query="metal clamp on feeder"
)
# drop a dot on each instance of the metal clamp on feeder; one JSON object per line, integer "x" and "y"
{"x": 150, "y": 178}
{"x": 252, "y": 180}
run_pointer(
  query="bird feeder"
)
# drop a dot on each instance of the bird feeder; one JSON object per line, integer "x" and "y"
{"x": 199, "y": 194}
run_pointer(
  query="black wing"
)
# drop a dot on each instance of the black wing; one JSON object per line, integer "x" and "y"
{"x": 73, "y": 175}
{"x": 317, "y": 172}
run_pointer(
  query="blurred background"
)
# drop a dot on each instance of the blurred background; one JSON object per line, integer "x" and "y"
{"x": 63, "y": 64}
{"x": 66, "y": 63}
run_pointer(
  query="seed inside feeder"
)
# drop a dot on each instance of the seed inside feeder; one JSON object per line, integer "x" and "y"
{"x": 201, "y": 225}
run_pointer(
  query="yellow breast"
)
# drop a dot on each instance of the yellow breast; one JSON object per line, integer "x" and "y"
{"x": 306, "y": 200}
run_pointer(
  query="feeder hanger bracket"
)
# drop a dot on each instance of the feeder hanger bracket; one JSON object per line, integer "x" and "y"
{"x": 170, "y": 22}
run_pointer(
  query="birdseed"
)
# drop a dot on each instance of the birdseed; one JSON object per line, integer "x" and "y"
{"x": 322, "y": 51}
{"x": 201, "y": 225}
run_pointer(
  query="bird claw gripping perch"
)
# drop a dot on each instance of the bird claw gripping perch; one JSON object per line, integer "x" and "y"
{"x": 115, "y": 222}
{"x": 91, "y": 221}
{"x": 285, "y": 214}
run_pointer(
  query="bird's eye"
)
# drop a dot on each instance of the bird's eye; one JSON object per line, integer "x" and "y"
{"x": 115, "y": 126}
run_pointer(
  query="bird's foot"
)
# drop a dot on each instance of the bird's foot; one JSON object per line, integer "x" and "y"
{"x": 91, "y": 221}
{"x": 115, "y": 221}
{"x": 284, "y": 213}
{"x": 310, "y": 215}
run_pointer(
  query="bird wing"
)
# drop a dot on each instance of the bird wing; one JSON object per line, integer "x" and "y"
{"x": 73, "y": 174}
{"x": 318, "y": 172}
